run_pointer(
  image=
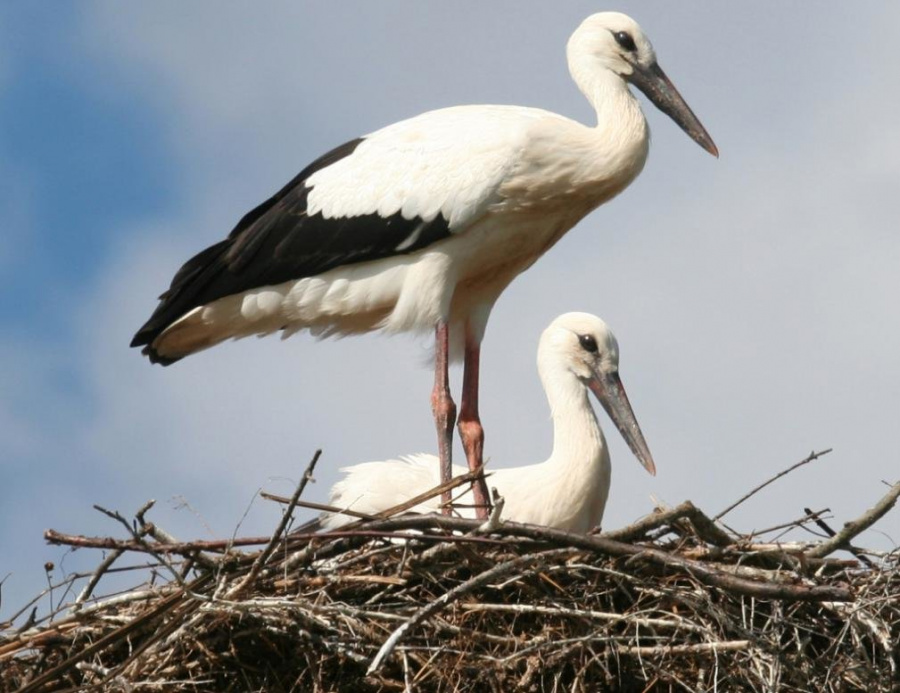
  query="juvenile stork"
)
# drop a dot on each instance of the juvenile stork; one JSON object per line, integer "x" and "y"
{"x": 577, "y": 353}
{"x": 422, "y": 224}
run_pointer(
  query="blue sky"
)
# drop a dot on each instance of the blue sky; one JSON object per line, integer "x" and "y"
{"x": 754, "y": 297}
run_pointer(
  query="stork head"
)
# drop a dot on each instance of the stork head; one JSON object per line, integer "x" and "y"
{"x": 614, "y": 41}
{"x": 581, "y": 346}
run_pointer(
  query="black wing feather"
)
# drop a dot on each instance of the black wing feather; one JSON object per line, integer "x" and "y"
{"x": 278, "y": 241}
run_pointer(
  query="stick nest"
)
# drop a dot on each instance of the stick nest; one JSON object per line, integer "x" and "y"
{"x": 674, "y": 602}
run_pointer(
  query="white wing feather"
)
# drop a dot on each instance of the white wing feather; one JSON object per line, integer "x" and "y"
{"x": 450, "y": 161}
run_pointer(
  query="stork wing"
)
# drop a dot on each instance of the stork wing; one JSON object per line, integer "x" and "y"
{"x": 396, "y": 191}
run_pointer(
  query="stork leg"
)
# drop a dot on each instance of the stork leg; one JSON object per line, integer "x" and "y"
{"x": 470, "y": 431}
{"x": 443, "y": 407}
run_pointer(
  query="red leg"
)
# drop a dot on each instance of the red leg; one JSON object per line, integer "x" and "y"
{"x": 470, "y": 430}
{"x": 443, "y": 407}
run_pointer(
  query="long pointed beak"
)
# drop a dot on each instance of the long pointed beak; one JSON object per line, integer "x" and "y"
{"x": 660, "y": 90}
{"x": 611, "y": 393}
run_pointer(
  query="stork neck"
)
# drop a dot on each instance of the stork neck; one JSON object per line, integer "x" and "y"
{"x": 578, "y": 443}
{"x": 621, "y": 137}
{"x": 612, "y": 100}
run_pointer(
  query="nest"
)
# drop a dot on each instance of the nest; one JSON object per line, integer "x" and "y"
{"x": 674, "y": 602}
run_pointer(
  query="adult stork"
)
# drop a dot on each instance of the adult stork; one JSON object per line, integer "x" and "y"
{"x": 577, "y": 353}
{"x": 422, "y": 224}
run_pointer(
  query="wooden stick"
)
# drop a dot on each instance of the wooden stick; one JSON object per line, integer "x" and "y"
{"x": 585, "y": 614}
{"x": 436, "y": 491}
{"x": 821, "y": 524}
{"x": 95, "y": 578}
{"x": 812, "y": 456}
{"x": 706, "y": 527}
{"x": 51, "y": 536}
{"x": 711, "y": 647}
{"x": 321, "y": 507}
{"x": 857, "y": 526}
{"x": 267, "y": 552}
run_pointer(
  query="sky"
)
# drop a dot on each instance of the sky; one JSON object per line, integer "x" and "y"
{"x": 754, "y": 297}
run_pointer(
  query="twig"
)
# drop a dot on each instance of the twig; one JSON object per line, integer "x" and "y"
{"x": 395, "y": 510}
{"x": 267, "y": 552}
{"x": 821, "y": 524}
{"x": 302, "y": 556}
{"x": 377, "y": 534}
{"x": 138, "y": 536}
{"x": 436, "y": 491}
{"x": 793, "y": 524}
{"x": 706, "y": 528}
{"x": 51, "y": 536}
{"x": 453, "y": 595}
{"x": 857, "y": 526}
{"x": 586, "y": 614}
{"x": 166, "y": 539}
{"x": 811, "y": 457}
{"x": 321, "y": 507}
{"x": 105, "y": 565}
{"x": 727, "y": 645}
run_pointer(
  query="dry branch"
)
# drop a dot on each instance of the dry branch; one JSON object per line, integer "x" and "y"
{"x": 858, "y": 526}
{"x": 809, "y": 458}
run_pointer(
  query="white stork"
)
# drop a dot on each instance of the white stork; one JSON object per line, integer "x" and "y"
{"x": 422, "y": 224}
{"x": 577, "y": 353}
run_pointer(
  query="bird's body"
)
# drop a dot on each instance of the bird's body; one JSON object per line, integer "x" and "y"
{"x": 531, "y": 494}
{"x": 569, "y": 490}
{"x": 496, "y": 186}
{"x": 422, "y": 224}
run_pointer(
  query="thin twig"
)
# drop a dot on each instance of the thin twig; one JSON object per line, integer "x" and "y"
{"x": 321, "y": 507}
{"x": 105, "y": 565}
{"x": 588, "y": 614}
{"x": 664, "y": 650}
{"x": 165, "y": 539}
{"x": 793, "y": 524}
{"x": 811, "y": 457}
{"x": 267, "y": 552}
{"x": 436, "y": 491}
{"x": 138, "y": 536}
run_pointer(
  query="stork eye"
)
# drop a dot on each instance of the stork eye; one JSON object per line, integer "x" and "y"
{"x": 588, "y": 343}
{"x": 623, "y": 38}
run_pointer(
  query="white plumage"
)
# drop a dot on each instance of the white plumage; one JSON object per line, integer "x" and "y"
{"x": 422, "y": 224}
{"x": 568, "y": 491}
